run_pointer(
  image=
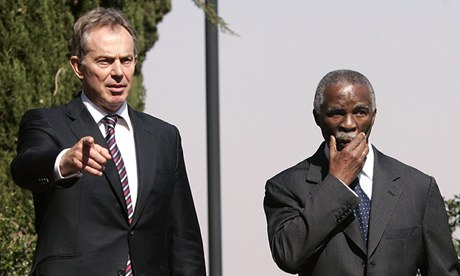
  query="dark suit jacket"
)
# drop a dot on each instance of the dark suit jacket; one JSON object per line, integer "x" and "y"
{"x": 312, "y": 229}
{"x": 82, "y": 224}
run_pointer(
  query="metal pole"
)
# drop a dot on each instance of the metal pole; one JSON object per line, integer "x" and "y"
{"x": 212, "y": 114}
{"x": 213, "y": 146}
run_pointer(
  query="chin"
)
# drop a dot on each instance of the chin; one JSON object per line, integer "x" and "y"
{"x": 117, "y": 100}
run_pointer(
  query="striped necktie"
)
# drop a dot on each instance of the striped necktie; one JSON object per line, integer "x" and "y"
{"x": 363, "y": 211}
{"x": 111, "y": 121}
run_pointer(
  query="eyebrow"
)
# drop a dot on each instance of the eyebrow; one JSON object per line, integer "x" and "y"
{"x": 333, "y": 108}
{"x": 114, "y": 57}
{"x": 337, "y": 108}
{"x": 362, "y": 106}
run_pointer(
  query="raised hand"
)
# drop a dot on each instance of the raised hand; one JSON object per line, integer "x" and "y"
{"x": 347, "y": 163}
{"x": 84, "y": 156}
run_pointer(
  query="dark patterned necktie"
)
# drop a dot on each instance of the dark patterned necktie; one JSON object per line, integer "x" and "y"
{"x": 111, "y": 121}
{"x": 363, "y": 211}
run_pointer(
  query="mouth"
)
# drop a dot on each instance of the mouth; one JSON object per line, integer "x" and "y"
{"x": 343, "y": 139}
{"x": 116, "y": 89}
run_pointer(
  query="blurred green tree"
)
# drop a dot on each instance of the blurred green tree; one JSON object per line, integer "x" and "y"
{"x": 453, "y": 211}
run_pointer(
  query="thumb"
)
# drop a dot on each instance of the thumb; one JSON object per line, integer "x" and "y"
{"x": 332, "y": 147}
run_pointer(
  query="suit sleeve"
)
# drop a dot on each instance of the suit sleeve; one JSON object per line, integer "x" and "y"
{"x": 33, "y": 166}
{"x": 440, "y": 257}
{"x": 300, "y": 220}
{"x": 186, "y": 252}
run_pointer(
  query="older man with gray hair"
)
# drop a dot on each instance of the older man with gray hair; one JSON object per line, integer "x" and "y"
{"x": 351, "y": 210}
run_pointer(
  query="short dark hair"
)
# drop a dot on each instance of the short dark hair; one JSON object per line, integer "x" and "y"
{"x": 341, "y": 76}
{"x": 93, "y": 20}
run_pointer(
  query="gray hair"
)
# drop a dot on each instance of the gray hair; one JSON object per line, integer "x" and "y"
{"x": 93, "y": 20}
{"x": 341, "y": 77}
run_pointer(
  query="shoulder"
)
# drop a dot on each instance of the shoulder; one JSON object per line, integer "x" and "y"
{"x": 72, "y": 108}
{"x": 391, "y": 163}
{"x": 313, "y": 168}
{"x": 407, "y": 174}
{"x": 147, "y": 118}
{"x": 153, "y": 124}
{"x": 296, "y": 171}
{"x": 38, "y": 115}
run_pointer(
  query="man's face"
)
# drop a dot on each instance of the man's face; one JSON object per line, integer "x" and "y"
{"x": 107, "y": 69}
{"x": 347, "y": 111}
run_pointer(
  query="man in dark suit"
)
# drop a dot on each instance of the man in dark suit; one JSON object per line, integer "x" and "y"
{"x": 351, "y": 210}
{"x": 115, "y": 204}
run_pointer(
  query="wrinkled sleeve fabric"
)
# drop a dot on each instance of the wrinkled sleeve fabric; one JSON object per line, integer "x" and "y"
{"x": 37, "y": 150}
{"x": 301, "y": 216}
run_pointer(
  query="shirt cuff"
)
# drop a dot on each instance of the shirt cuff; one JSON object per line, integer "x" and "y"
{"x": 57, "y": 172}
{"x": 351, "y": 190}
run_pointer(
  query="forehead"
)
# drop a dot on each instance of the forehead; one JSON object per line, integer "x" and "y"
{"x": 345, "y": 93}
{"x": 107, "y": 39}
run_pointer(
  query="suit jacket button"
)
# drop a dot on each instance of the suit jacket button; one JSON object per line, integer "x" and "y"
{"x": 131, "y": 232}
{"x": 121, "y": 272}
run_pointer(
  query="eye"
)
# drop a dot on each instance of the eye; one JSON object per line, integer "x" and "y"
{"x": 334, "y": 113}
{"x": 104, "y": 62}
{"x": 127, "y": 60}
{"x": 361, "y": 111}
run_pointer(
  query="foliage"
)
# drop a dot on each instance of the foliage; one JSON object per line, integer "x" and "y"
{"x": 34, "y": 72}
{"x": 213, "y": 17}
{"x": 453, "y": 211}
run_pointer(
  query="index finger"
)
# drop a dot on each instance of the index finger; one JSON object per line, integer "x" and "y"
{"x": 362, "y": 147}
{"x": 332, "y": 146}
{"x": 358, "y": 140}
{"x": 88, "y": 141}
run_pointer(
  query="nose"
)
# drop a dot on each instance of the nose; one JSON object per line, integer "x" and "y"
{"x": 348, "y": 123}
{"x": 117, "y": 69}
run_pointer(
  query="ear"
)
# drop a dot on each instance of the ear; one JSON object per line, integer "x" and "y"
{"x": 373, "y": 116}
{"x": 316, "y": 116}
{"x": 76, "y": 66}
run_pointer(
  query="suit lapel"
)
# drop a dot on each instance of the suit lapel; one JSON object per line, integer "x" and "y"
{"x": 144, "y": 140}
{"x": 83, "y": 124}
{"x": 386, "y": 190}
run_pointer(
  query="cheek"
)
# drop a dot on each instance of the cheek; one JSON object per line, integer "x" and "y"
{"x": 330, "y": 125}
{"x": 328, "y": 130}
{"x": 98, "y": 74}
{"x": 97, "y": 79}
{"x": 366, "y": 125}
{"x": 129, "y": 73}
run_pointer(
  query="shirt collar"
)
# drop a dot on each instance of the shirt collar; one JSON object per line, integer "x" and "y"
{"x": 98, "y": 113}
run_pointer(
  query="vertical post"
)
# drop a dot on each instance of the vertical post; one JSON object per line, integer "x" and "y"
{"x": 213, "y": 145}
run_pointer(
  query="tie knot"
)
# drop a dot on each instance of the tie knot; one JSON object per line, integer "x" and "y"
{"x": 111, "y": 120}
{"x": 355, "y": 184}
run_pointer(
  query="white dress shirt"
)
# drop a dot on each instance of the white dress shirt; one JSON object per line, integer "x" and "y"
{"x": 124, "y": 136}
{"x": 367, "y": 173}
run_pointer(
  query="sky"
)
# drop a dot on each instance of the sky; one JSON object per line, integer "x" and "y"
{"x": 409, "y": 50}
